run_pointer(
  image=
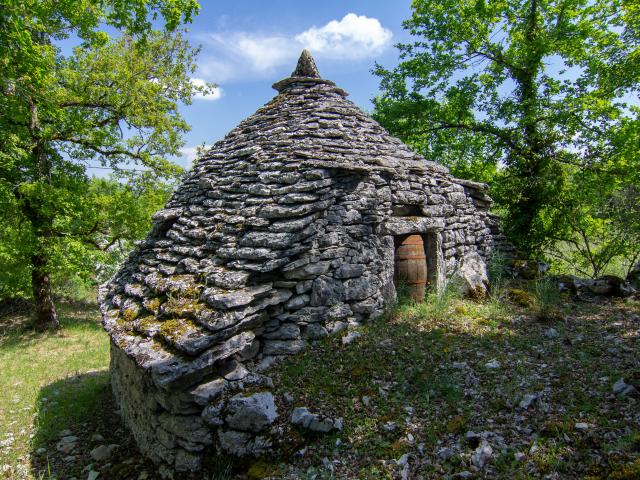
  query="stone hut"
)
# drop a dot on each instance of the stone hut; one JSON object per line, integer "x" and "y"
{"x": 283, "y": 232}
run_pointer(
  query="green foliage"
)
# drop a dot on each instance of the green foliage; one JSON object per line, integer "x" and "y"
{"x": 599, "y": 212}
{"x": 436, "y": 305}
{"x": 106, "y": 216}
{"x": 546, "y": 298}
{"x": 113, "y": 102}
{"x": 509, "y": 92}
{"x": 497, "y": 272}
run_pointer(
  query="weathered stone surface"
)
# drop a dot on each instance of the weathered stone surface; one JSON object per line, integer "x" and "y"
{"x": 339, "y": 311}
{"x": 226, "y": 299}
{"x": 317, "y": 423}
{"x": 310, "y": 270}
{"x": 179, "y": 403}
{"x": 473, "y": 275}
{"x": 282, "y": 347}
{"x": 233, "y": 442}
{"x": 175, "y": 371}
{"x": 361, "y": 288}
{"x": 102, "y": 452}
{"x": 314, "y": 331}
{"x": 287, "y": 331}
{"x": 242, "y": 444}
{"x": 228, "y": 279}
{"x": 297, "y": 302}
{"x": 349, "y": 270}
{"x": 187, "y": 461}
{"x": 237, "y": 373}
{"x": 207, "y": 392}
{"x": 327, "y": 291}
{"x": 187, "y": 427}
{"x": 252, "y": 413}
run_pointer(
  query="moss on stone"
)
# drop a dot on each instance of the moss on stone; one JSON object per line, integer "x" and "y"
{"x": 625, "y": 472}
{"x": 262, "y": 469}
{"x": 175, "y": 328}
{"x": 153, "y": 305}
{"x": 520, "y": 297}
{"x": 148, "y": 325}
{"x": 192, "y": 291}
{"x": 124, "y": 324}
{"x": 180, "y": 307}
{"x": 456, "y": 424}
{"x": 182, "y": 286}
{"x": 129, "y": 314}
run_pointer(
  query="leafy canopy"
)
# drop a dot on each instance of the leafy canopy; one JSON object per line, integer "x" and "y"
{"x": 101, "y": 219}
{"x": 111, "y": 100}
{"x": 509, "y": 91}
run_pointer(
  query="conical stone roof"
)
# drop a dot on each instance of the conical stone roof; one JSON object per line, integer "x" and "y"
{"x": 245, "y": 208}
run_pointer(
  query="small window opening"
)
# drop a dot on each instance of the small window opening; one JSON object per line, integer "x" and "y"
{"x": 407, "y": 211}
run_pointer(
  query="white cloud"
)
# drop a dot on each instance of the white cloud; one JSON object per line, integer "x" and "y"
{"x": 353, "y": 37}
{"x": 240, "y": 53}
{"x": 264, "y": 53}
{"x": 233, "y": 55}
{"x": 190, "y": 154}
{"x": 214, "y": 94}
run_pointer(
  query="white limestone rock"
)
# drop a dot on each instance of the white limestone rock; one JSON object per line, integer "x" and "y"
{"x": 252, "y": 413}
{"x": 472, "y": 275}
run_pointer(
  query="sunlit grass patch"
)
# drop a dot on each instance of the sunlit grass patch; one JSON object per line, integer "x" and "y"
{"x": 34, "y": 366}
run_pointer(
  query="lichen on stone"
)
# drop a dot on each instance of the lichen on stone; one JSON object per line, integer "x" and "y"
{"x": 182, "y": 307}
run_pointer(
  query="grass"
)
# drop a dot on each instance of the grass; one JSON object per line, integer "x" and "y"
{"x": 37, "y": 399}
{"x": 412, "y": 384}
{"x": 424, "y": 371}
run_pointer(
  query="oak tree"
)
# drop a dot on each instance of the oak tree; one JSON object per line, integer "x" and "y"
{"x": 511, "y": 91}
{"x": 111, "y": 100}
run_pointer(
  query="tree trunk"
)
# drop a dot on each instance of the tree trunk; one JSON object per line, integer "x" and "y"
{"x": 531, "y": 166}
{"x": 45, "y": 311}
{"x": 46, "y": 317}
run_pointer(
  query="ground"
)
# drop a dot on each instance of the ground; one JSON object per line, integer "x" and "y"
{"x": 433, "y": 391}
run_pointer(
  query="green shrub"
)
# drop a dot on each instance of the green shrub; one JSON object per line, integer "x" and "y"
{"x": 546, "y": 299}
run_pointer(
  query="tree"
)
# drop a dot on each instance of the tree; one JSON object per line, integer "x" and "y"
{"x": 522, "y": 87}
{"x": 103, "y": 218}
{"x": 600, "y": 210}
{"x": 111, "y": 101}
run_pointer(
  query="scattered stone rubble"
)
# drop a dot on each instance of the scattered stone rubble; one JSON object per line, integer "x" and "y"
{"x": 316, "y": 423}
{"x": 282, "y": 233}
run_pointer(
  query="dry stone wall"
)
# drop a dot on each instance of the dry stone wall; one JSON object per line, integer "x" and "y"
{"x": 282, "y": 233}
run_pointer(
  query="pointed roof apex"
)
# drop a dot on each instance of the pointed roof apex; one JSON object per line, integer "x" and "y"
{"x": 306, "y": 66}
{"x": 305, "y": 76}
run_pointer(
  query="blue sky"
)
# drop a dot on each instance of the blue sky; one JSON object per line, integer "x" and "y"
{"x": 247, "y": 45}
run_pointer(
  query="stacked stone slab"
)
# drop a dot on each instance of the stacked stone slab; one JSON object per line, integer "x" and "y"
{"x": 282, "y": 233}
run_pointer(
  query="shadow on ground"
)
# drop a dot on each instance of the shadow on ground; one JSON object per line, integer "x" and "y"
{"x": 16, "y": 321}
{"x": 75, "y": 416}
